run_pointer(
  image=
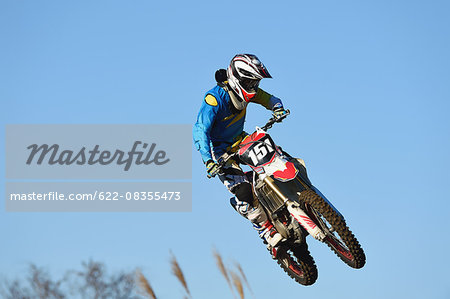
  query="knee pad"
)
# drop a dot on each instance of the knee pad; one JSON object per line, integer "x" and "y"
{"x": 243, "y": 200}
{"x": 241, "y": 207}
{"x": 254, "y": 214}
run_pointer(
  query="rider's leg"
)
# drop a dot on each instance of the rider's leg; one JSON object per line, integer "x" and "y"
{"x": 258, "y": 217}
{"x": 238, "y": 184}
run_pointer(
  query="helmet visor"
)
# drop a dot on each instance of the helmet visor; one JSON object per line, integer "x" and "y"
{"x": 250, "y": 85}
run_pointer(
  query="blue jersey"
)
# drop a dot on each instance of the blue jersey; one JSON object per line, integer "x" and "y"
{"x": 219, "y": 124}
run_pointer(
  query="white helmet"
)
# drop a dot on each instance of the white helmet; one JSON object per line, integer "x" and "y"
{"x": 244, "y": 73}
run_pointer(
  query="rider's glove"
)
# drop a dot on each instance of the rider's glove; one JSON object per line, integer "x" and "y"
{"x": 278, "y": 113}
{"x": 212, "y": 168}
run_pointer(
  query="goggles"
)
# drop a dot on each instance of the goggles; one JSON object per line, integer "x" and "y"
{"x": 250, "y": 85}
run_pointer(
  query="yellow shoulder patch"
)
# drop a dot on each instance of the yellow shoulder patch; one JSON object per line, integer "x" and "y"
{"x": 211, "y": 100}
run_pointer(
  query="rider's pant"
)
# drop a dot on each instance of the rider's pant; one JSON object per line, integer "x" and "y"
{"x": 243, "y": 201}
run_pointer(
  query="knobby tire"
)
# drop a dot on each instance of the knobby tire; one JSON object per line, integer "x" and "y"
{"x": 358, "y": 258}
{"x": 298, "y": 264}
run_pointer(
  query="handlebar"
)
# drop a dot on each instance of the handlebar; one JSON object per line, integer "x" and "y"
{"x": 274, "y": 120}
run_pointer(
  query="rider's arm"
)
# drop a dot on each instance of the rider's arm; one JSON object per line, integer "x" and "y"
{"x": 267, "y": 100}
{"x": 202, "y": 128}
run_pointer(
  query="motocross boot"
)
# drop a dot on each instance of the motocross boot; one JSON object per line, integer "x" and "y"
{"x": 268, "y": 233}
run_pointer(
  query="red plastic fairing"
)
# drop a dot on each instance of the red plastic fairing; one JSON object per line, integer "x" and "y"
{"x": 288, "y": 174}
{"x": 248, "y": 141}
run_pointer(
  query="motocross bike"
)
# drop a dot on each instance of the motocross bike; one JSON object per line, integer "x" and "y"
{"x": 295, "y": 207}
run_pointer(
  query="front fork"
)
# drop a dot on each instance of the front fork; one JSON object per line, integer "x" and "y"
{"x": 304, "y": 220}
{"x": 296, "y": 212}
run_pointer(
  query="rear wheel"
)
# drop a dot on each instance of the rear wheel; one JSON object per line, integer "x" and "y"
{"x": 298, "y": 263}
{"x": 338, "y": 236}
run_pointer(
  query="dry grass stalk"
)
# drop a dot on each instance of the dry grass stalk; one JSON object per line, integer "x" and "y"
{"x": 176, "y": 270}
{"x": 237, "y": 284}
{"x": 145, "y": 285}
{"x": 238, "y": 266}
{"x": 223, "y": 270}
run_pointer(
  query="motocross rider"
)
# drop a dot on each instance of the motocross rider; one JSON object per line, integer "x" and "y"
{"x": 220, "y": 122}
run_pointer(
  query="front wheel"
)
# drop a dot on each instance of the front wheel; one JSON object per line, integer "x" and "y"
{"x": 338, "y": 236}
{"x": 298, "y": 263}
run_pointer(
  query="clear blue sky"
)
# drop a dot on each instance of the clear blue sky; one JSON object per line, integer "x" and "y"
{"x": 367, "y": 83}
